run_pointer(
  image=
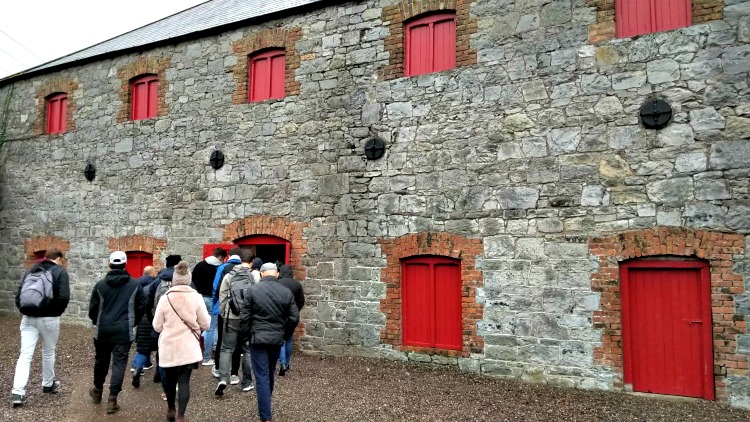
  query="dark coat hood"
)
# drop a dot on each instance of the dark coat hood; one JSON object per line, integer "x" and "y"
{"x": 117, "y": 278}
{"x": 285, "y": 271}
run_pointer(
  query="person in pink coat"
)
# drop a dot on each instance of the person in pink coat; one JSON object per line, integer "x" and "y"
{"x": 180, "y": 317}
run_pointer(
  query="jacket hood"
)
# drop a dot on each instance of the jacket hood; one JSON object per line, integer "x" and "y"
{"x": 235, "y": 259}
{"x": 166, "y": 274}
{"x": 285, "y": 271}
{"x": 145, "y": 280}
{"x": 212, "y": 260}
{"x": 117, "y": 278}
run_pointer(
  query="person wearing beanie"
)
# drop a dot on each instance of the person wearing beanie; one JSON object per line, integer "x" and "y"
{"x": 180, "y": 317}
{"x": 158, "y": 288}
{"x": 287, "y": 280}
{"x": 268, "y": 315}
{"x": 204, "y": 273}
{"x": 257, "y": 263}
{"x": 117, "y": 303}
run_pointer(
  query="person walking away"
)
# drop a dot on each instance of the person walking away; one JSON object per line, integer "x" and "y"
{"x": 287, "y": 280}
{"x": 232, "y": 288}
{"x": 145, "y": 339}
{"x": 116, "y": 303}
{"x": 257, "y": 263}
{"x": 221, "y": 272}
{"x": 268, "y": 315}
{"x": 204, "y": 273}
{"x": 42, "y": 296}
{"x": 180, "y": 316}
{"x": 160, "y": 286}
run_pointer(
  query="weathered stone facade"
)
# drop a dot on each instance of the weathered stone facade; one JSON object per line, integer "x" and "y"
{"x": 535, "y": 151}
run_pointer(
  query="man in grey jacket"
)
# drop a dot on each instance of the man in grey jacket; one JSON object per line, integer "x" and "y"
{"x": 268, "y": 315}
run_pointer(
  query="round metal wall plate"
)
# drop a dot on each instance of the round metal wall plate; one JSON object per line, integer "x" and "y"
{"x": 217, "y": 159}
{"x": 374, "y": 148}
{"x": 656, "y": 113}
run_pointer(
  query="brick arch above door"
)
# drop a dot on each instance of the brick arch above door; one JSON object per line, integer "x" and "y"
{"x": 274, "y": 226}
{"x": 438, "y": 244}
{"x": 142, "y": 243}
{"x": 43, "y": 243}
{"x": 718, "y": 248}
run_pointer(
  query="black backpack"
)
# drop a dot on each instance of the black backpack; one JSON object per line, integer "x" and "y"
{"x": 240, "y": 280}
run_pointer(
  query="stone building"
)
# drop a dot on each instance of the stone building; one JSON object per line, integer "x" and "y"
{"x": 526, "y": 219}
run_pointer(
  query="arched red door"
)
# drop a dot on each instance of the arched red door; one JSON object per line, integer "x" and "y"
{"x": 268, "y": 248}
{"x": 137, "y": 261}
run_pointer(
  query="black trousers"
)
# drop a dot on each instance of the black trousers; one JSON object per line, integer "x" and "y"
{"x": 178, "y": 376}
{"x": 235, "y": 370}
{"x": 117, "y": 354}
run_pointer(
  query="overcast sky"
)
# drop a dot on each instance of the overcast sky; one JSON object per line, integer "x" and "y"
{"x": 49, "y": 29}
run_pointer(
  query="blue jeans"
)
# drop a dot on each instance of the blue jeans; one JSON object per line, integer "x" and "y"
{"x": 140, "y": 361}
{"x": 264, "y": 358}
{"x": 210, "y": 336}
{"x": 286, "y": 351}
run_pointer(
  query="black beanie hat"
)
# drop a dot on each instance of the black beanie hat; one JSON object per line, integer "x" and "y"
{"x": 173, "y": 260}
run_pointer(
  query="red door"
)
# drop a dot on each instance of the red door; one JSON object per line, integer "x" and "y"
{"x": 208, "y": 248}
{"x": 667, "y": 335}
{"x": 268, "y": 248}
{"x": 431, "y": 303}
{"x": 137, "y": 261}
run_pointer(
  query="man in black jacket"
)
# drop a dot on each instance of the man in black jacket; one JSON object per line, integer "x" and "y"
{"x": 117, "y": 304}
{"x": 286, "y": 279}
{"x": 41, "y": 321}
{"x": 203, "y": 279}
{"x": 268, "y": 315}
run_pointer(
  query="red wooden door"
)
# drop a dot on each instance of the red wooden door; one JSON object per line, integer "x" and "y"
{"x": 667, "y": 335}
{"x": 137, "y": 261}
{"x": 263, "y": 239}
{"x": 208, "y": 248}
{"x": 431, "y": 303}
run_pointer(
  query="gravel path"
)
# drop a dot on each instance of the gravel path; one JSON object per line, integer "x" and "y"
{"x": 336, "y": 389}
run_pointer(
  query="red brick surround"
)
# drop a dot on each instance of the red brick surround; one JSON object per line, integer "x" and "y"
{"x": 269, "y": 38}
{"x": 43, "y": 243}
{"x": 395, "y": 16}
{"x": 56, "y": 85}
{"x": 274, "y": 226}
{"x": 136, "y": 242}
{"x": 717, "y": 248}
{"x": 442, "y": 244}
{"x": 143, "y": 66}
{"x": 605, "y": 28}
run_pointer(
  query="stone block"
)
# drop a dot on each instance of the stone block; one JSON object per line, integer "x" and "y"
{"x": 530, "y": 248}
{"x": 706, "y": 119}
{"x": 671, "y": 191}
{"x": 711, "y": 189}
{"x": 729, "y": 155}
{"x": 517, "y": 197}
{"x": 594, "y": 196}
{"x": 499, "y": 246}
{"x": 563, "y": 140}
{"x": 691, "y": 163}
{"x": 738, "y": 216}
{"x": 662, "y": 70}
{"x": 676, "y": 135}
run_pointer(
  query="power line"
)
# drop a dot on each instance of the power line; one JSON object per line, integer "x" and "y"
{"x": 24, "y": 47}
{"x": 12, "y": 57}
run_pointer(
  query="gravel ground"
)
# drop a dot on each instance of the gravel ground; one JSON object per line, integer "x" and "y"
{"x": 336, "y": 389}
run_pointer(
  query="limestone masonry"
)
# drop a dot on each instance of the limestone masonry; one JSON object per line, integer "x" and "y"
{"x": 528, "y": 162}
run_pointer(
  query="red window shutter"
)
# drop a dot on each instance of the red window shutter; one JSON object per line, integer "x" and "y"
{"x": 637, "y": 17}
{"x": 431, "y": 303}
{"x": 267, "y": 75}
{"x": 430, "y": 44}
{"x": 57, "y": 113}
{"x": 144, "y": 94}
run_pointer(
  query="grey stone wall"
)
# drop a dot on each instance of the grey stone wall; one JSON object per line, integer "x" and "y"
{"x": 535, "y": 149}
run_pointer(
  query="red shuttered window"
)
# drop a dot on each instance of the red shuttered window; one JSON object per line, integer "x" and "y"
{"x": 267, "y": 75}
{"x": 430, "y": 44}
{"x": 137, "y": 261}
{"x": 57, "y": 113}
{"x": 143, "y": 95}
{"x": 431, "y": 302}
{"x": 637, "y": 17}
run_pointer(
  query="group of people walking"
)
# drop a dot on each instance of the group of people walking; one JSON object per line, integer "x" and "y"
{"x": 232, "y": 305}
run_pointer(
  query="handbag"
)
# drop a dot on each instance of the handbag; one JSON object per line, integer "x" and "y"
{"x": 198, "y": 336}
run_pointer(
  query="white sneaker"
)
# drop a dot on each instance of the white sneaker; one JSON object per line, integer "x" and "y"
{"x": 248, "y": 388}
{"x": 220, "y": 388}
{"x": 208, "y": 362}
{"x": 215, "y": 372}
{"x": 234, "y": 380}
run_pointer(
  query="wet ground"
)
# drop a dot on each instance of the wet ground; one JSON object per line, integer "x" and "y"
{"x": 334, "y": 389}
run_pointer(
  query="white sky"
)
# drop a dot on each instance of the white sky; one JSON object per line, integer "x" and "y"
{"x": 55, "y": 28}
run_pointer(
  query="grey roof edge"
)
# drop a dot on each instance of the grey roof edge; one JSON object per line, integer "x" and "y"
{"x": 44, "y": 68}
